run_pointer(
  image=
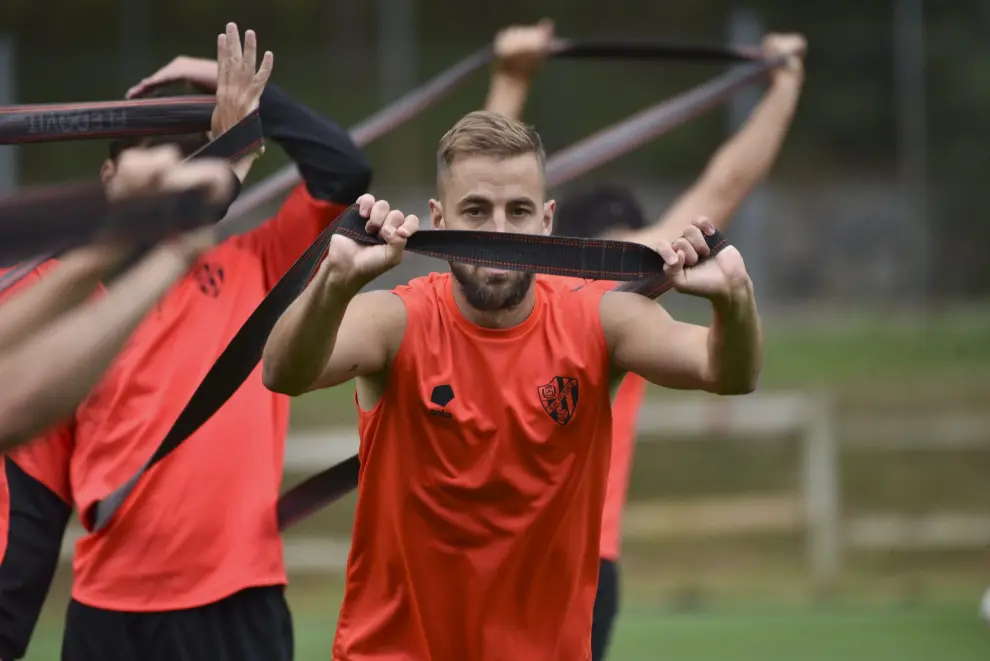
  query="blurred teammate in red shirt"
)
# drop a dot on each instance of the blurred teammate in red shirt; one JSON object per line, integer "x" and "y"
{"x": 614, "y": 212}
{"x": 191, "y": 567}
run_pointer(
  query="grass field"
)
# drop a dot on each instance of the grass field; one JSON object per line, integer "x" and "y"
{"x": 947, "y": 630}
{"x": 725, "y": 600}
{"x": 851, "y": 633}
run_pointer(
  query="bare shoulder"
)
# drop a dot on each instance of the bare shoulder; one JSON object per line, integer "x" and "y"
{"x": 626, "y": 306}
{"x": 622, "y": 312}
{"x": 383, "y": 311}
{"x": 381, "y": 302}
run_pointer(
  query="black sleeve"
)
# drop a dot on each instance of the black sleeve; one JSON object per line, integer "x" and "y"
{"x": 37, "y": 523}
{"x": 333, "y": 167}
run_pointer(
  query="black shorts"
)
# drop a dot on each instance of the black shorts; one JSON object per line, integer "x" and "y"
{"x": 250, "y": 625}
{"x": 606, "y": 608}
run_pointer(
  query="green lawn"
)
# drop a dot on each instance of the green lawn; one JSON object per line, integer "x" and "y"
{"x": 946, "y": 631}
{"x": 853, "y": 633}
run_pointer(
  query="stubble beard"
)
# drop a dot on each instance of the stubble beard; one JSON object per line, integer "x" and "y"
{"x": 492, "y": 293}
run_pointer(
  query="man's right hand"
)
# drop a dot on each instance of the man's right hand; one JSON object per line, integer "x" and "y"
{"x": 239, "y": 86}
{"x": 521, "y": 49}
{"x": 231, "y": 77}
{"x": 792, "y": 46}
{"x": 349, "y": 266}
{"x": 158, "y": 169}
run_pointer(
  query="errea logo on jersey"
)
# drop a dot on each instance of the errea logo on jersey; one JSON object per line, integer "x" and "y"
{"x": 441, "y": 396}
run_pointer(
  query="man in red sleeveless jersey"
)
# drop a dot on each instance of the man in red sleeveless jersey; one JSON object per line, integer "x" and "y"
{"x": 614, "y": 212}
{"x": 484, "y": 410}
{"x": 191, "y": 567}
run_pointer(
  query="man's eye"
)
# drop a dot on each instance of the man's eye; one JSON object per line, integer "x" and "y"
{"x": 473, "y": 211}
{"x": 520, "y": 212}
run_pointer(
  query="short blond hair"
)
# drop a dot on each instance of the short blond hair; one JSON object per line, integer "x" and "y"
{"x": 483, "y": 133}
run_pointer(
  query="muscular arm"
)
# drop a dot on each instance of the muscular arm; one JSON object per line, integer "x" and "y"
{"x": 519, "y": 51}
{"x": 328, "y": 336}
{"x": 507, "y": 93}
{"x": 76, "y": 349}
{"x": 68, "y": 285}
{"x": 736, "y": 168}
{"x": 724, "y": 358}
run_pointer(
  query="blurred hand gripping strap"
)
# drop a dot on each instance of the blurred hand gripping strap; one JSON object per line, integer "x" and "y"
{"x": 57, "y": 218}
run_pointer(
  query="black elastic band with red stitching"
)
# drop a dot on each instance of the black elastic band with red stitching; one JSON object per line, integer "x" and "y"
{"x": 651, "y": 49}
{"x": 105, "y": 119}
{"x": 241, "y": 139}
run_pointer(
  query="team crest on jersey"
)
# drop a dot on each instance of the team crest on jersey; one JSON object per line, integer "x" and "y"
{"x": 209, "y": 277}
{"x": 560, "y": 398}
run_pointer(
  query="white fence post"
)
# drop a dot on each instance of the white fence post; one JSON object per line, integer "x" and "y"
{"x": 821, "y": 493}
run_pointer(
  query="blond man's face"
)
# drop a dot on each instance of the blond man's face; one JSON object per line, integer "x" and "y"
{"x": 493, "y": 195}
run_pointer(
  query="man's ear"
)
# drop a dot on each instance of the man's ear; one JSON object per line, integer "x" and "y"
{"x": 436, "y": 215}
{"x": 549, "y": 207}
{"x": 107, "y": 172}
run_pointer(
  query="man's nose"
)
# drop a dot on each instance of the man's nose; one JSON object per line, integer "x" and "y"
{"x": 500, "y": 221}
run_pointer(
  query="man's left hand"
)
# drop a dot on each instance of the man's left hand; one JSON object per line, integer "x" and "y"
{"x": 793, "y": 47}
{"x": 521, "y": 49}
{"x": 718, "y": 279}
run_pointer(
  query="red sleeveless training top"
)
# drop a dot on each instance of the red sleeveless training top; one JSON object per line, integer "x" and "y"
{"x": 483, "y": 477}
